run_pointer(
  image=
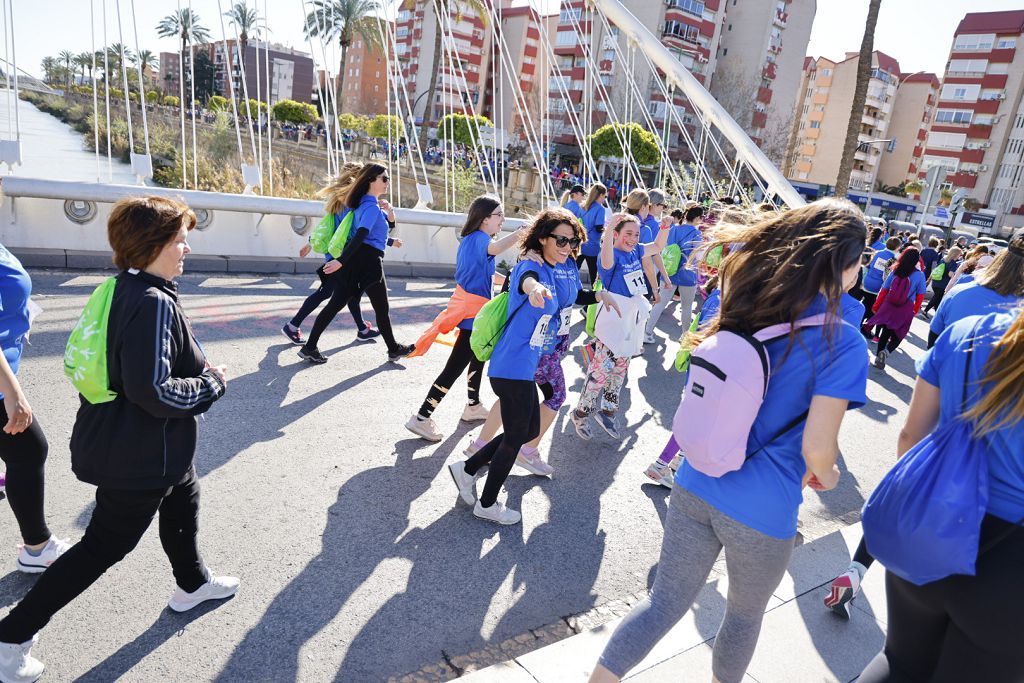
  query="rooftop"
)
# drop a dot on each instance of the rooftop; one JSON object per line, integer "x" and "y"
{"x": 992, "y": 22}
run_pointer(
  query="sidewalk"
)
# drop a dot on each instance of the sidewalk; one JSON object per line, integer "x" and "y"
{"x": 801, "y": 641}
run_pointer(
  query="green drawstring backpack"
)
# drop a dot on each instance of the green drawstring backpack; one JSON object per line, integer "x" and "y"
{"x": 488, "y": 326}
{"x": 671, "y": 256}
{"x": 340, "y": 238}
{"x": 682, "y": 362}
{"x": 938, "y": 271}
{"x": 592, "y": 311}
{"x": 322, "y": 234}
{"x": 85, "y": 357}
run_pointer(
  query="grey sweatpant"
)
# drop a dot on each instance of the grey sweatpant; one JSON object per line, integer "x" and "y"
{"x": 686, "y": 296}
{"x": 695, "y": 533}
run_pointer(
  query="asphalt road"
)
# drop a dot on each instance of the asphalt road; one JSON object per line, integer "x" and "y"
{"x": 356, "y": 561}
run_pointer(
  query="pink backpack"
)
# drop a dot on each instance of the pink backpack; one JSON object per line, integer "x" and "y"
{"x": 728, "y": 381}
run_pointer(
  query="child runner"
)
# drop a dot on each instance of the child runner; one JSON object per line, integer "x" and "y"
{"x": 897, "y": 303}
{"x": 474, "y": 274}
{"x": 794, "y": 264}
{"x": 573, "y": 200}
{"x": 593, "y": 222}
{"x": 533, "y": 322}
{"x": 621, "y": 271}
{"x": 875, "y": 275}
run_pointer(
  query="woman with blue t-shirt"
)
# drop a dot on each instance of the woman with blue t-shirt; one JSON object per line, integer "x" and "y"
{"x": 533, "y": 322}
{"x": 997, "y": 288}
{"x": 897, "y": 303}
{"x": 360, "y": 266}
{"x": 688, "y": 237}
{"x": 793, "y": 265}
{"x": 638, "y": 203}
{"x": 967, "y": 628}
{"x": 573, "y": 200}
{"x": 874, "y": 275}
{"x": 942, "y": 273}
{"x": 593, "y": 222}
{"x": 23, "y": 445}
{"x": 474, "y": 273}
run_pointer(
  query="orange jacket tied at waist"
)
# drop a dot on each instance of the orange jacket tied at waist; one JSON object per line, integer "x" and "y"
{"x": 462, "y": 305}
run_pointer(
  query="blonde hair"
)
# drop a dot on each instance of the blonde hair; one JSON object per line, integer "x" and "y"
{"x": 596, "y": 190}
{"x": 1005, "y": 275}
{"x": 636, "y": 200}
{"x": 1003, "y": 404}
{"x": 337, "y": 189}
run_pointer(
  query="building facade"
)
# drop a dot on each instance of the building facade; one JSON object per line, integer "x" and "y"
{"x": 365, "y": 84}
{"x": 912, "y": 112}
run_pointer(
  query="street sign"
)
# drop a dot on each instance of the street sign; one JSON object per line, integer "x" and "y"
{"x": 978, "y": 220}
{"x": 941, "y": 213}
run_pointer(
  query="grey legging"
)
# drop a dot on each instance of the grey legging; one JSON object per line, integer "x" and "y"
{"x": 695, "y": 533}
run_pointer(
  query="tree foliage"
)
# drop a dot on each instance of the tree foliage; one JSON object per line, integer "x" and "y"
{"x": 460, "y": 128}
{"x": 251, "y": 108}
{"x": 349, "y": 121}
{"x": 379, "y": 127}
{"x": 643, "y": 146}
{"x": 170, "y": 101}
{"x": 217, "y": 103}
{"x": 295, "y": 112}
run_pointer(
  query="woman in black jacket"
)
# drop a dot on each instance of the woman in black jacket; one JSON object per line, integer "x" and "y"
{"x": 138, "y": 448}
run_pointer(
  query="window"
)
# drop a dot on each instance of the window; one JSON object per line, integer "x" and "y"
{"x": 691, "y": 6}
{"x": 569, "y": 15}
{"x": 815, "y": 124}
{"x": 953, "y": 116}
{"x": 998, "y": 68}
{"x": 826, "y": 72}
{"x": 565, "y": 38}
{"x": 1006, "y": 43}
{"x": 981, "y": 41}
{"x": 947, "y": 140}
{"x": 967, "y": 93}
{"x": 967, "y": 66}
{"x": 682, "y": 30}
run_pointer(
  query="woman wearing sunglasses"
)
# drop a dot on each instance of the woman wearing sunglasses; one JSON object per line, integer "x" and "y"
{"x": 361, "y": 264}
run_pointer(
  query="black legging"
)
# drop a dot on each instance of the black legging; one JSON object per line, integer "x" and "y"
{"x": 520, "y": 418}
{"x": 322, "y": 294}
{"x": 937, "y": 294}
{"x": 591, "y": 262}
{"x": 868, "y": 299}
{"x": 461, "y": 357}
{"x": 888, "y": 339}
{"x": 961, "y": 628}
{"x": 365, "y": 270}
{"x": 25, "y": 456}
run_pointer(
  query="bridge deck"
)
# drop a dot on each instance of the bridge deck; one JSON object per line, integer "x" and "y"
{"x": 356, "y": 562}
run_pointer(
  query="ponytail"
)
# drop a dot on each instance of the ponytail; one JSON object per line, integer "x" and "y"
{"x": 1003, "y": 404}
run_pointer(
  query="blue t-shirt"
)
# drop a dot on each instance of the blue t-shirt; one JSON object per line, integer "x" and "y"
{"x": 970, "y": 299}
{"x": 528, "y": 330}
{"x": 876, "y": 271}
{"x": 626, "y": 271}
{"x": 943, "y": 367}
{"x": 878, "y": 246}
{"x": 15, "y": 288}
{"x": 853, "y": 310}
{"x": 649, "y": 228}
{"x": 592, "y": 220}
{"x": 474, "y": 268}
{"x": 688, "y": 238}
{"x": 765, "y": 493}
{"x": 963, "y": 280}
{"x": 369, "y": 215}
{"x": 918, "y": 284}
{"x": 567, "y": 286}
{"x": 711, "y": 307}
{"x": 930, "y": 257}
{"x": 574, "y": 206}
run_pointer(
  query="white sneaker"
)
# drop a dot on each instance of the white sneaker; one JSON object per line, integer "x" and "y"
{"x": 425, "y": 429}
{"x": 582, "y": 425}
{"x": 533, "y": 463}
{"x": 649, "y": 338}
{"x": 217, "y": 588}
{"x": 472, "y": 448}
{"x": 17, "y": 665}
{"x": 660, "y": 474}
{"x": 37, "y": 564}
{"x": 497, "y": 513}
{"x": 475, "y": 413}
{"x": 464, "y": 482}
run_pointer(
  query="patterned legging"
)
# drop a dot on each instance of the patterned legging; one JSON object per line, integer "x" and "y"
{"x": 605, "y": 376}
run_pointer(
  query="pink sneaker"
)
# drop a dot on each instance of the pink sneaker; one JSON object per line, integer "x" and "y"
{"x": 3, "y": 481}
{"x": 529, "y": 459}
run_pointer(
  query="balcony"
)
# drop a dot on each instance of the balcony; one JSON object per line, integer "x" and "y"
{"x": 781, "y": 19}
{"x": 986, "y": 106}
{"x": 759, "y": 119}
{"x": 775, "y": 48}
{"x": 769, "y": 71}
{"x": 972, "y": 156}
{"x": 764, "y": 95}
{"x": 965, "y": 180}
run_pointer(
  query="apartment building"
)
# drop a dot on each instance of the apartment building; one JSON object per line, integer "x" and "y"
{"x": 365, "y": 86}
{"x": 824, "y": 115}
{"x": 759, "y": 65}
{"x": 912, "y": 112}
{"x": 978, "y": 129}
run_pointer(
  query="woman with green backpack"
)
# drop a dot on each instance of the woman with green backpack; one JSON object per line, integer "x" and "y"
{"x": 682, "y": 239}
{"x": 942, "y": 273}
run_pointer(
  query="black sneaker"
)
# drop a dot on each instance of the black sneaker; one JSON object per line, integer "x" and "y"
{"x": 367, "y": 333}
{"x": 312, "y": 355}
{"x": 401, "y": 351}
{"x": 293, "y": 334}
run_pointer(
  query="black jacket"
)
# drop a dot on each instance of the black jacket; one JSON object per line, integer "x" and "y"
{"x": 146, "y": 437}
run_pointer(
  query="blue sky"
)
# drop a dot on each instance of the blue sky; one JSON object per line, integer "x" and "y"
{"x": 916, "y": 32}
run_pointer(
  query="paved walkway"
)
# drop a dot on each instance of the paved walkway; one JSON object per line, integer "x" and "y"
{"x": 357, "y": 564}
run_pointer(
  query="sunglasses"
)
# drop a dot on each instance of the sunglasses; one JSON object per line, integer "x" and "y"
{"x": 385, "y": 178}
{"x": 561, "y": 241}
{"x": 498, "y": 213}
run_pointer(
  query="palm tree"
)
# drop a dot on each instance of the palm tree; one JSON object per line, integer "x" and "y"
{"x": 83, "y": 60}
{"x": 117, "y": 54}
{"x": 185, "y": 25}
{"x": 344, "y": 20}
{"x": 443, "y": 8}
{"x": 246, "y": 20}
{"x": 147, "y": 60}
{"x": 67, "y": 57}
{"x": 50, "y": 66}
{"x": 860, "y": 94}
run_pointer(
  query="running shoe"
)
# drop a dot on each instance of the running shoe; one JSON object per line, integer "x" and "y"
{"x": 497, "y": 513}
{"x": 529, "y": 459}
{"x": 312, "y": 355}
{"x": 843, "y": 590}
{"x": 607, "y": 423}
{"x": 367, "y": 333}
{"x": 17, "y": 664}
{"x": 217, "y": 588}
{"x": 475, "y": 412}
{"x": 424, "y": 428}
{"x": 294, "y": 334}
{"x": 400, "y": 351}
{"x": 660, "y": 474}
{"x": 3, "y": 482}
{"x": 649, "y": 338}
{"x": 464, "y": 482}
{"x": 473, "y": 447}
{"x": 880, "y": 359}
{"x": 676, "y": 462}
{"x": 582, "y": 425}
{"x": 37, "y": 564}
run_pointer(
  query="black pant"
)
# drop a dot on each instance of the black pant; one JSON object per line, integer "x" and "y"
{"x": 365, "y": 271}
{"x": 120, "y": 519}
{"x": 520, "y": 419}
{"x": 591, "y": 262}
{"x": 868, "y": 299}
{"x": 462, "y": 357}
{"x": 962, "y": 628}
{"x": 322, "y": 294}
{"x": 888, "y": 340}
{"x": 25, "y": 457}
{"x": 937, "y": 294}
